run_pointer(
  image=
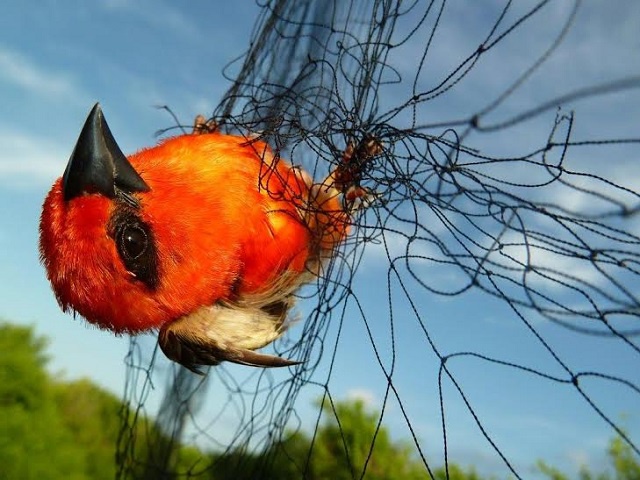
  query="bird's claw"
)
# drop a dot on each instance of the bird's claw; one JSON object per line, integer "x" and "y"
{"x": 346, "y": 177}
{"x": 202, "y": 126}
{"x": 357, "y": 198}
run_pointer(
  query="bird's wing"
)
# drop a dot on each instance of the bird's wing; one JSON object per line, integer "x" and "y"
{"x": 229, "y": 332}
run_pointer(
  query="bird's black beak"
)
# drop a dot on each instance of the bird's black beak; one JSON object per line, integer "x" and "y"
{"x": 97, "y": 165}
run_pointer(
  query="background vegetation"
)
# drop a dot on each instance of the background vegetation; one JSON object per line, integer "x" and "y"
{"x": 54, "y": 429}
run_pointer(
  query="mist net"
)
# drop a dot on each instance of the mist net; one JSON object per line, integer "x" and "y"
{"x": 485, "y": 303}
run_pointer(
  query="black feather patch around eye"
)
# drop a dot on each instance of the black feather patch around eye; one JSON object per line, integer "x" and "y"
{"x": 135, "y": 245}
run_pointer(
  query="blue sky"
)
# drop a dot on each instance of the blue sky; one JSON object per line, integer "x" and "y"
{"x": 58, "y": 59}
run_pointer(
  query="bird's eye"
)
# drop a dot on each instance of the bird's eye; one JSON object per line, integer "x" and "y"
{"x": 133, "y": 242}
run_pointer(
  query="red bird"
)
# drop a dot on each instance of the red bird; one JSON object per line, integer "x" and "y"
{"x": 205, "y": 237}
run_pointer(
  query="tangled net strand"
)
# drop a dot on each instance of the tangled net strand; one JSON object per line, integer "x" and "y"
{"x": 546, "y": 232}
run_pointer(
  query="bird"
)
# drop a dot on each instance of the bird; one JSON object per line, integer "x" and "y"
{"x": 204, "y": 237}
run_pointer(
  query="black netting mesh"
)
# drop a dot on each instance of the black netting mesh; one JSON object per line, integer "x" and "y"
{"x": 498, "y": 263}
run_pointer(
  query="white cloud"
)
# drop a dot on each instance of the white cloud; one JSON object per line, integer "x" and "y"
{"x": 23, "y": 72}
{"x": 584, "y": 197}
{"x": 516, "y": 254}
{"x": 366, "y": 396}
{"x": 157, "y": 14}
{"x": 27, "y": 160}
{"x": 579, "y": 458}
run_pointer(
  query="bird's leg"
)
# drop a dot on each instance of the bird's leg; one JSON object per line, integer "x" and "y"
{"x": 330, "y": 205}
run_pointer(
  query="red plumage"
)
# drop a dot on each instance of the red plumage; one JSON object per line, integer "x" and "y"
{"x": 221, "y": 221}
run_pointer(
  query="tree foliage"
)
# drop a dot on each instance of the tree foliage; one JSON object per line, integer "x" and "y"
{"x": 33, "y": 441}
{"x": 351, "y": 441}
{"x": 348, "y": 444}
{"x": 54, "y": 429}
{"x": 623, "y": 465}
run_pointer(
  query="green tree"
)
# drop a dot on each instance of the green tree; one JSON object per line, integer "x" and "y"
{"x": 351, "y": 438}
{"x": 34, "y": 443}
{"x": 67, "y": 430}
{"x": 456, "y": 472}
{"x": 90, "y": 414}
{"x": 624, "y": 465}
{"x": 342, "y": 445}
{"x": 53, "y": 429}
